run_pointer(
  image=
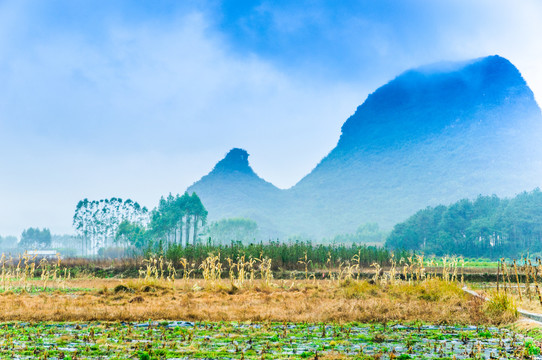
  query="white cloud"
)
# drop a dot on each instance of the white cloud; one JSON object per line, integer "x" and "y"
{"x": 145, "y": 111}
{"x": 141, "y": 108}
{"x": 511, "y": 29}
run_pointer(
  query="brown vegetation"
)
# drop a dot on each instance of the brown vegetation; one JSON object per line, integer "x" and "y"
{"x": 518, "y": 282}
{"x": 404, "y": 292}
{"x": 433, "y": 301}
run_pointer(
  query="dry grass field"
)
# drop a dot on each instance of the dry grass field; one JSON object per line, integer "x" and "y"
{"x": 433, "y": 300}
{"x": 246, "y": 290}
{"x": 237, "y": 309}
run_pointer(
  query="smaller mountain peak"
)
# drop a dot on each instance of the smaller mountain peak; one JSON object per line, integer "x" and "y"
{"x": 235, "y": 160}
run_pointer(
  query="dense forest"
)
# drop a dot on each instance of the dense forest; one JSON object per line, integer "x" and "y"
{"x": 96, "y": 222}
{"x": 487, "y": 226}
{"x": 287, "y": 255}
{"x": 113, "y": 223}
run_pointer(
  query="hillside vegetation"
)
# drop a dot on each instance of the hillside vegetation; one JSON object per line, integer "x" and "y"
{"x": 488, "y": 226}
{"x": 431, "y": 136}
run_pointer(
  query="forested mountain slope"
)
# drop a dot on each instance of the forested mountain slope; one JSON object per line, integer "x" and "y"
{"x": 488, "y": 226}
{"x": 431, "y": 136}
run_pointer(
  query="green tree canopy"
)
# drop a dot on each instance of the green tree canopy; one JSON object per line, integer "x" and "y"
{"x": 487, "y": 226}
{"x": 176, "y": 220}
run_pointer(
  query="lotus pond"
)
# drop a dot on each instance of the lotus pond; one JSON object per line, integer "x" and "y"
{"x": 188, "y": 340}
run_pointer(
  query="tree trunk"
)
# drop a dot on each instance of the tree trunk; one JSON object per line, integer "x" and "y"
{"x": 181, "y": 231}
{"x": 187, "y": 234}
{"x": 195, "y": 229}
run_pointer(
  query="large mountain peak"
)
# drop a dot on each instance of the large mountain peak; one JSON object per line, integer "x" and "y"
{"x": 422, "y": 102}
{"x": 432, "y": 135}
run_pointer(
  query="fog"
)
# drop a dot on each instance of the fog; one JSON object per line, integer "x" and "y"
{"x": 139, "y": 100}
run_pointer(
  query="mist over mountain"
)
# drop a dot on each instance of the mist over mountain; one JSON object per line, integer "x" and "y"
{"x": 431, "y": 136}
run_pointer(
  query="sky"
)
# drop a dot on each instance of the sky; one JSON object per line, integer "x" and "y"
{"x": 137, "y": 99}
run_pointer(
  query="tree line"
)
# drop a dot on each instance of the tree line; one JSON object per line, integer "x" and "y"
{"x": 286, "y": 255}
{"x": 96, "y": 222}
{"x": 365, "y": 233}
{"x": 34, "y": 238}
{"x": 238, "y": 229}
{"x": 174, "y": 213}
{"x": 487, "y": 226}
{"x": 100, "y": 224}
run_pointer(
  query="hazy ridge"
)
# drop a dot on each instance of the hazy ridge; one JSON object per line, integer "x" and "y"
{"x": 431, "y": 136}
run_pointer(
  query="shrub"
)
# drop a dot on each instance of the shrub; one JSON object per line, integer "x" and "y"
{"x": 501, "y": 308}
{"x": 358, "y": 289}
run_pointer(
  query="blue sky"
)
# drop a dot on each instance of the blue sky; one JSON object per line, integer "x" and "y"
{"x": 141, "y": 98}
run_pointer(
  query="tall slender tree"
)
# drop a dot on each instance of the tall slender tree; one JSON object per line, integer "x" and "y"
{"x": 199, "y": 214}
{"x": 96, "y": 222}
{"x": 186, "y": 202}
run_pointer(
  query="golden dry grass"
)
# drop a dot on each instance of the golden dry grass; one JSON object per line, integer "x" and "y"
{"x": 529, "y": 302}
{"x": 432, "y": 301}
